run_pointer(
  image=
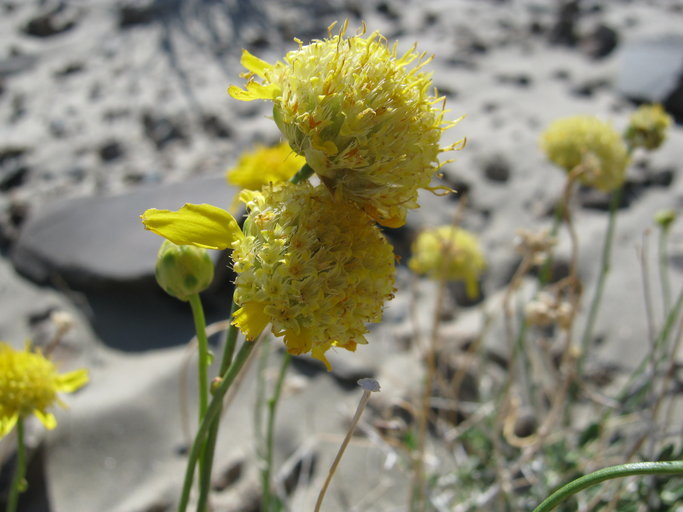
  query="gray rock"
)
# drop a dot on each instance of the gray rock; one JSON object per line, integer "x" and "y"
{"x": 91, "y": 241}
{"x": 652, "y": 70}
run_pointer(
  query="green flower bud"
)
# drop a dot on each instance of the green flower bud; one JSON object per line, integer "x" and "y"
{"x": 648, "y": 127}
{"x": 665, "y": 218}
{"x": 183, "y": 270}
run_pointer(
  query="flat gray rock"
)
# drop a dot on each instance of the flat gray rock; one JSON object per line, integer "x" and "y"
{"x": 90, "y": 241}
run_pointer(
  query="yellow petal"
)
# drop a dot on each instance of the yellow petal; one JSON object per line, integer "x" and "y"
{"x": 72, "y": 381}
{"x": 251, "y": 319}
{"x": 46, "y": 418}
{"x": 254, "y": 64}
{"x": 254, "y": 91}
{"x": 298, "y": 342}
{"x": 202, "y": 225}
{"x": 319, "y": 353}
{"x": 7, "y": 424}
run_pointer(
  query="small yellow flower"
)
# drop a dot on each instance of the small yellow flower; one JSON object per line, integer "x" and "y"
{"x": 183, "y": 270}
{"x": 29, "y": 384}
{"x": 448, "y": 252}
{"x": 265, "y": 165}
{"x": 363, "y": 118}
{"x": 315, "y": 268}
{"x": 589, "y": 147}
{"x": 648, "y": 127}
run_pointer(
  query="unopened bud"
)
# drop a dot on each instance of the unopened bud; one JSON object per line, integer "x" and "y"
{"x": 648, "y": 127}
{"x": 183, "y": 270}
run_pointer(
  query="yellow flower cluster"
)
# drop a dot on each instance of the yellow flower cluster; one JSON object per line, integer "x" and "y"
{"x": 648, "y": 127}
{"x": 589, "y": 147}
{"x": 361, "y": 116}
{"x": 447, "y": 252}
{"x": 29, "y": 384}
{"x": 315, "y": 268}
{"x": 265, "y": 165}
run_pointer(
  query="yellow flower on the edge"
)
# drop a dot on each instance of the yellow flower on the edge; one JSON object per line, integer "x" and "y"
{"x": 361, "y": 116}
{"x": 590, "y": 146}
{"x": 448, "y": 252}
{"x": 265, "y": 165}
{"x": 29, "y": 384}
{"x": 316, "y": 268}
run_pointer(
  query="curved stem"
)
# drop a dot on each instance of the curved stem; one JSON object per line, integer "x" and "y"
{"x": 604, "y": 270}
{"x": 609, "y": 473}
{"x": 18, "y": 482}
{"x": 211, "y": 415}
{"x": 270, "y": 432}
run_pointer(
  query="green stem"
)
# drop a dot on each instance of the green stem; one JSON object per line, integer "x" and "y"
{"x": 664, "y": 270}
{"x": 203, "y": 357}
{"x": 604, "y": 270}
{"x": 609, "y": 473}
{"x": 303, "y": 174}
{"x": 18, "y": 482}
{"x": 211, "y": 415}
{"x": 206, "y": 462}
{"x": 272, "y": 409}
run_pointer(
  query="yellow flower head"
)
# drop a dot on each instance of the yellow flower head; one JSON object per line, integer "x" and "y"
{"x": 316, "y": 268}
{"x": 589, "y": 147}
{"x": 648, "y": 127}
{"x": 29, "y": 384}
{"x": 448, "y": 252}
{"x": 265, "y": 165}
{"x": 361, "y": 116}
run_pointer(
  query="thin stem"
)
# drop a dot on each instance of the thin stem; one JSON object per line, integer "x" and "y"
{"x": 609, "y": 473}
{"x": 203, "y": 348}
{"x": 664, "y": 269}
{"x": 303, "y": 174}
{"x": 361, "y": 407}
{"x": 604, "y": 270}
{"x": 18, "y": 483}
{"x": 203, "y": 384}
{"x": 211, "y": 414}
{"x": 272, "y": 409}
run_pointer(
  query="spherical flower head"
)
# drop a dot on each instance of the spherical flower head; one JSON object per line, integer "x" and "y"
{"x": 451, "y": 253}
{"x": 361, "y": 116}
{"x": 265, "y": 165}
{"x": 314, "y": 267}
{"x": 648, "y": 127}
{"x": 588, "y": 147}
{"x": 29, "y": 384}
{"x": 183, "y": 270}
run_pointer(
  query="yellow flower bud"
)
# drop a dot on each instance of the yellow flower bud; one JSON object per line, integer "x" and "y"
{"x": 361, "y": 116}
{"x": 665, "y": 218}
{"x": 265, "y": 165}
{"x": 589, "y": 147}
{"x": 315, "y": 267}
{"x": 29, "y": 384}
{"x": 648, "y": 127}
{"x": 450, "y": 253}
{"x": 183, "y": 270}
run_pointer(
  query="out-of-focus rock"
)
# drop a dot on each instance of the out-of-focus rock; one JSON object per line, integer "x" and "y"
{"x": 89, "y": 241}
{"x": 652, "y": 71}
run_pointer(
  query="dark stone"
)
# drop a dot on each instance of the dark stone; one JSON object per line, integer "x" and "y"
{"x": 70, "y": 69}
{"x": 601, "y": 42}
{"x": 13, "y": 170}
{"x": 386, "y": 9}
{"x": 497, "y": 169}
{"x": 589, "y": 88}
{"x": 161, "y": 130}
{"x": 131, "y": 14}
{"x": 213, "y": 125}
{"x": 563, "y": 31}
{"x": 56, "y": 20}
{"x": 520, "y": 80}
{"x": 111, "y": 151}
